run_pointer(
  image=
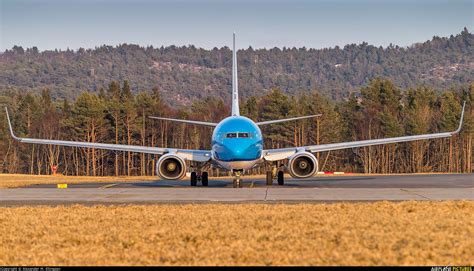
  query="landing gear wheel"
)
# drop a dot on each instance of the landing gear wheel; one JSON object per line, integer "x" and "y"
{"x": 193, "y": 178}
{"x": 269, "y": 178}
{"x": 204, "y": 179}
{"x": 237, "y": 182}
{"x": 280, "y": 178}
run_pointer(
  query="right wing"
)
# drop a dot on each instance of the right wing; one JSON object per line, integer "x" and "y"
{"x": 192, "y": 155}
{"x": 283, "y": 153}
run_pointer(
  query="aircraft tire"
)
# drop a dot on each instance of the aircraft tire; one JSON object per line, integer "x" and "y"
{"x": 269, "y": 178}
{"x": 235, "y": 183}
{"x": 193, "y": 178}
{"x": 205, "y": 179}
{"x": 280, "y": 178}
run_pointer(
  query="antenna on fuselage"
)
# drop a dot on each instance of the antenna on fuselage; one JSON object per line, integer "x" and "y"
{"x": 235, "y": 85}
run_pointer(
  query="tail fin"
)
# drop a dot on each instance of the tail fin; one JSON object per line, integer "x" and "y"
{"x": 235, "y": 85}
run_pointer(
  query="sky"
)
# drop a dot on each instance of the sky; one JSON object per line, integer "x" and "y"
{"x": 61, "y": 24}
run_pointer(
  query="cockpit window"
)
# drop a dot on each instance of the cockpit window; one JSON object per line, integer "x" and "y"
{"x": 244, "y": 135}
{"x": 231, "y": 135}
{"x": 239, "y": 135}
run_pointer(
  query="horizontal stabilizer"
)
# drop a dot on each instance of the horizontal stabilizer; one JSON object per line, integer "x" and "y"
{"x": 283, "y": 120}
{"x": 212, "y": 124}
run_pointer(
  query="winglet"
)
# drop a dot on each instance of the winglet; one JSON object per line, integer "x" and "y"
{"x": 460, "y": 120}
{"x": 10, "y": 125}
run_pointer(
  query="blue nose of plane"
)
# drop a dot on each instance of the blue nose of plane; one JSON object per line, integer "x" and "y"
{"x": 239, "y": 151}
{"x": 237, "y": 138}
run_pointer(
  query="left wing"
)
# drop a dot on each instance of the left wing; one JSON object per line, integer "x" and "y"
{"x": 279, "y": 154}
{"x": 192, "y": 155}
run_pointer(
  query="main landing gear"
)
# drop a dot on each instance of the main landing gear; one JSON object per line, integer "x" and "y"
{"x": 275, "y": 172}
{"x": 280, "y": 178}
{"x": 202, "y": 177}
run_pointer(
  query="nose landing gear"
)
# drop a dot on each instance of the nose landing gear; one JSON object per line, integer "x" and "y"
{"x": 237, "y": 182}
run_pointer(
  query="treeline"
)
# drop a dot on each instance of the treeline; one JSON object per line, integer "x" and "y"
{"x": 116, "y": 115}
{"x": 186, "y": 73}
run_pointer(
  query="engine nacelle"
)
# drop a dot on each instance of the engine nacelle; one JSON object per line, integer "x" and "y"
{"x": 171, "y": 167}
{"x": 302, "y": 165}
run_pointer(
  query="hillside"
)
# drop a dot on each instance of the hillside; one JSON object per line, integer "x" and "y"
{"x": 183, "y": 74}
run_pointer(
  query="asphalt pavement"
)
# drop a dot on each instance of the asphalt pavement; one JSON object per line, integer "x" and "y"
{"x": 317, "y": 189}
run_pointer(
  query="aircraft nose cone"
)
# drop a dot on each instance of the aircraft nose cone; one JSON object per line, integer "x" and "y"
{"x": 244, "y": 152}
{"x": 238, "y": 150}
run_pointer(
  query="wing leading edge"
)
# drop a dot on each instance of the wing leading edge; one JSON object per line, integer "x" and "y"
{"x": 279, "y": 154}
{"x": 193, "y": 155}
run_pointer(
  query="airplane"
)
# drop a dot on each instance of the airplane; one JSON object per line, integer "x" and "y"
{"x": 237, "y": 145}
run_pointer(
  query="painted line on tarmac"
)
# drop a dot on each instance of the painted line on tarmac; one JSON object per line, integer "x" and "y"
{"x": 109, "y": 185}
{"x": 413, "y": 193}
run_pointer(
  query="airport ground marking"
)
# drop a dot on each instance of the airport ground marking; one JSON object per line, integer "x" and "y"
{"x": 413, "y": 193}
{"x": 108, "y": 185}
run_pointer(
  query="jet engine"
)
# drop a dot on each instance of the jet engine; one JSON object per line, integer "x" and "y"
{"x": 171, "y": 167}
{"x": 302, "y": 165}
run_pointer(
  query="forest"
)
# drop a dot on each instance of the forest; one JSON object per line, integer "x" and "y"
{"x": 118, "y": 114}
{"x": 186, "y": 74}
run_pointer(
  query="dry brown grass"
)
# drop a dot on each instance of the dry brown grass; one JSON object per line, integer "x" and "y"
{"x": 382, "y": 233}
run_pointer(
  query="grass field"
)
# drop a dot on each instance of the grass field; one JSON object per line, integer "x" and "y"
{"x": 381, "y": 233}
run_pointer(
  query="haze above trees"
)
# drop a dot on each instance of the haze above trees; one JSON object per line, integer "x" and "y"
{"x": 183, "y": 74}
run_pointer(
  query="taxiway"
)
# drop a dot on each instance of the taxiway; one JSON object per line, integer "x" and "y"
{"x": 322, "y": 189}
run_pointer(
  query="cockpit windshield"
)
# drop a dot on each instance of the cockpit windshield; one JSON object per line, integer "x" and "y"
{"x": 237, "y": 135}
{"x": 231, "y": 135}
